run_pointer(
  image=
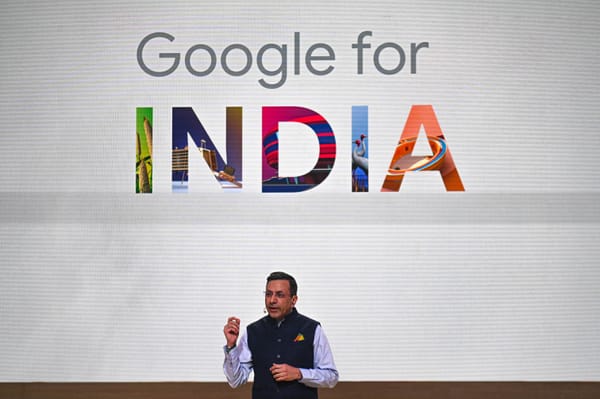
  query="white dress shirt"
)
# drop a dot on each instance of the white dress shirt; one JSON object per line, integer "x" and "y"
{"x": 238, "y": 363}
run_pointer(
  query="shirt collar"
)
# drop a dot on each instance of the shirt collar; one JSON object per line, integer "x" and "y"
{"x": 278, "y": 324}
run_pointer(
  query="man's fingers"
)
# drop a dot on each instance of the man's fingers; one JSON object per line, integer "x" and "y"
{"x": 279, "y": 372}
{"x": 233, "y": 325}
{"x": 231, "y": 330}
{"x": 274, "y": 370}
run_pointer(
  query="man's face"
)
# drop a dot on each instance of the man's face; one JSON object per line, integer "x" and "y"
{"x": 278, "y": 300}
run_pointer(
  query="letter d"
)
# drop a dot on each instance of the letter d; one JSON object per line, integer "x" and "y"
{"x": 272, "y": 181}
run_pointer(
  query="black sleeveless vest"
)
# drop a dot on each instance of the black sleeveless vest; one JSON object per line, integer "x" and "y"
{"x": 291, "y": 343}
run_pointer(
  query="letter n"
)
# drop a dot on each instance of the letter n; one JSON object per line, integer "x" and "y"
{"x": 228, "y": 172}
{"x": 272, "y": 181}
{"x": 404, "y": 162}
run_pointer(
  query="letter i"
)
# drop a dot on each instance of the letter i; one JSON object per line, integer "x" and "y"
{"x": 143, "y": 156}
{"x": 360, "y": 153}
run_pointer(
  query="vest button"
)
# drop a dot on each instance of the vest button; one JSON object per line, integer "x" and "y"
{"x": 278, "y": 339}
{"x": 278, "y": 356}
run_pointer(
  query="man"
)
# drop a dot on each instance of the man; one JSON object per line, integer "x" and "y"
{"x": 289, "y": 352}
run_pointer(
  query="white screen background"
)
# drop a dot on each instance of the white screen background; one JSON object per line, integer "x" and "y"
{"x": 496, "y": 283}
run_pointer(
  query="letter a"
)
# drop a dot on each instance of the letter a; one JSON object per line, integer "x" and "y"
{"x": 403, "y": 161}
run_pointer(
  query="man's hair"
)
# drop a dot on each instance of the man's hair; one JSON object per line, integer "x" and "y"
{"x": 284, "y": 276}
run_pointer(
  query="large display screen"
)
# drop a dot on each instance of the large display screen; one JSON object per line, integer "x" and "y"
{"x": 428, "y": 171}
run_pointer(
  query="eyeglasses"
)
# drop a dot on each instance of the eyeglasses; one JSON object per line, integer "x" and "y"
{"x": 278, "y": 294}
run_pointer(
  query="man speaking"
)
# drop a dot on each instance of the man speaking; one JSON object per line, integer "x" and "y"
{"x": 289, "y": 352}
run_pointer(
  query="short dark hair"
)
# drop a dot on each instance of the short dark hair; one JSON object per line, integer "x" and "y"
{"x": 285, "y": 276}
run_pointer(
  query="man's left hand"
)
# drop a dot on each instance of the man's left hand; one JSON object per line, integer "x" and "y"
{"x": 285, "y": 372}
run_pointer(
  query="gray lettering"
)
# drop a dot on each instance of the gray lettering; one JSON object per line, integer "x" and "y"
{"x": 246, "y": 52}
{"x": 213, "y": 60}
{"x": 281, "y": 70}
{"x": 310, "y": 58}
{"x": 377, "y": 54}
{"x": 140, "y": 58}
